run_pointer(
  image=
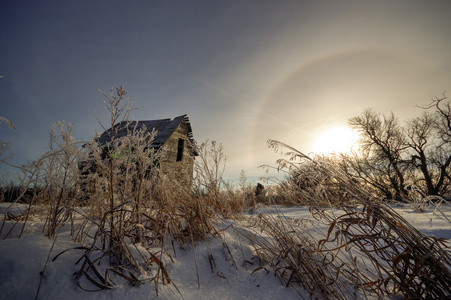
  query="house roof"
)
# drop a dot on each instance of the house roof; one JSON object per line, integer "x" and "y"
{"x": 164, "y": 127}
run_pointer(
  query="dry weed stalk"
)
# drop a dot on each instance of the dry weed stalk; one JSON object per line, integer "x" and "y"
{"x": 61, "y": 176}
{"x": 217, "y": 196}
{"x": 51, "y": 181}
{"x": 403, "y": 260}
{"x": 288, "y": 247}
{"x": 127, "y": 217}
{"x": 137, "y": 255}
{"x": 7, "y": 122}
{"x": 136, "y": 214}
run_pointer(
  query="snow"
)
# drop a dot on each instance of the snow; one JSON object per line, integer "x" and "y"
{"x": 235, "y": 275}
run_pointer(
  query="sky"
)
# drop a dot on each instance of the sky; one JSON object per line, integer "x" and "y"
{"x": 243, "y": 71}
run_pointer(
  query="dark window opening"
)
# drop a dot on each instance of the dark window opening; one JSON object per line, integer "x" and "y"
{"x": 180, "y": 149}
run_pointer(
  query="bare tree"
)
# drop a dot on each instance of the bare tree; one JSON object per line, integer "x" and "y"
{"x": 365, "y": 171}
{"x": 429, "y": 139}
{"x": 382, "y": 143}
{"x": 443, "y": 118}
{"x": 427, "y": 154}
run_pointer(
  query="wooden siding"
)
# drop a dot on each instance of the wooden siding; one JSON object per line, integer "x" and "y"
{"x": 181, "y": 171}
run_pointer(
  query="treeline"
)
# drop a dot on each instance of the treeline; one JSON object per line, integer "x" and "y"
{"x": 403, "y": 161}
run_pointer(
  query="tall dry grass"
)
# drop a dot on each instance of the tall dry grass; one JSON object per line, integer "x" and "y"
{"x": 129, "y": 220}
{"x": 366, "y": 246}
{"x": 124, "y": 213}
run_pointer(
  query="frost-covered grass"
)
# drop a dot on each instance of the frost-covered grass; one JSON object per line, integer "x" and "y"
{"x": 226, "y": 266}
{"x": 120, "y": 233}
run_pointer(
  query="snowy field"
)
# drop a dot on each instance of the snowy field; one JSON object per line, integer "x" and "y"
{"x": 235, "y": 274}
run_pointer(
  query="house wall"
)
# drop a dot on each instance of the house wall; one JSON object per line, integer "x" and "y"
{"x": 181, "y": 171}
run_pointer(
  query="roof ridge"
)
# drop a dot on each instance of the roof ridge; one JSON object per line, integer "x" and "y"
{"x": 164, "y": 127}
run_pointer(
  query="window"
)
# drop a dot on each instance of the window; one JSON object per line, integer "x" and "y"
{"x": 180, "y": 147}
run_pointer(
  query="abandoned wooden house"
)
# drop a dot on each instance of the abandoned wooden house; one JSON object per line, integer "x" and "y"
{"x": 173, "y": 136}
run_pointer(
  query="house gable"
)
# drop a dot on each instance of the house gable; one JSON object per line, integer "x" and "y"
{"x": 178, "y": 155}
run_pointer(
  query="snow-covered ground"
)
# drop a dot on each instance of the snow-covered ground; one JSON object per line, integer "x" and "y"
{"x": 234, "y": 275}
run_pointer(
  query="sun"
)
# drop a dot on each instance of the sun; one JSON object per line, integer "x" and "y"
{"x": 336, "y": 140}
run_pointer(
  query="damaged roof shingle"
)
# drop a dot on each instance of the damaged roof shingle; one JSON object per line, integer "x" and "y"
{"x": 164, "y": 127}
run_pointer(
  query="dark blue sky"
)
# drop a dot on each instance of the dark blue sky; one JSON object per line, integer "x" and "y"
{"x": 243, "y": 71}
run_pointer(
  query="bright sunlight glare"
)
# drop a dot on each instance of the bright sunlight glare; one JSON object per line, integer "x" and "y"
{"x": 336, "y": 140}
